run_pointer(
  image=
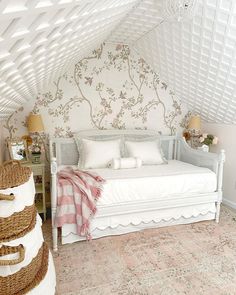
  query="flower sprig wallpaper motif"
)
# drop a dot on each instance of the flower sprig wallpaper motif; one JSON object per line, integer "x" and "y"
{"x": 112, "y": 87}
{"x": 11, "y": 123}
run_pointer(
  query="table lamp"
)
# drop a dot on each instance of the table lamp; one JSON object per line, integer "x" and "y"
{"x": 35, "y": 125}
{"x": 194, "y": 125}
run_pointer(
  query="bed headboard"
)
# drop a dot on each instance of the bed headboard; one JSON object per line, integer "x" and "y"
{"x": 66, "y": 153}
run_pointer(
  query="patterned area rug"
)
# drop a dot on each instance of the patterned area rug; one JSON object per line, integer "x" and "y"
{"x": 190, "y": 259}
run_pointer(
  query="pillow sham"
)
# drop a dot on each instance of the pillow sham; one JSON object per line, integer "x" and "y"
{"x": 148, "y": 151}
{"x": 97, "y": 154}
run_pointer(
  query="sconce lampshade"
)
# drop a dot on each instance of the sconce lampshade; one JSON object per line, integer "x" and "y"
{"x": 195, "y": 123}
{"x": 35, "y": 123}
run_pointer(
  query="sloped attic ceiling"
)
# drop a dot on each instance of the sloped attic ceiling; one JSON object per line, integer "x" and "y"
{"x": 41, "y": 38}
{"x": 197, "y": 58}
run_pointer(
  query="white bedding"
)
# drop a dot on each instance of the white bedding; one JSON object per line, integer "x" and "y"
{"x": 155, "y": 181}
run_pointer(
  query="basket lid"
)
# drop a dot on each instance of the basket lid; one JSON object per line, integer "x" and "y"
{"x": 13, "y": 174}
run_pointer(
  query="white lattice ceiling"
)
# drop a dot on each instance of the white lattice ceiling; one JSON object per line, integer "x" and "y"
{"x": 39, "y": 39}
{"x": 197, "y": 57}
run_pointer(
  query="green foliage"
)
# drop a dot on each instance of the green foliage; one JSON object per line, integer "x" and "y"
{"x": 209, "y": 139}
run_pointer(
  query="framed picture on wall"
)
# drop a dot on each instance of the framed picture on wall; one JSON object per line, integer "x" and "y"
{"x": 18, "y": 149}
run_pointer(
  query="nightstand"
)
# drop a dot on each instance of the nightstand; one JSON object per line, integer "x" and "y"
{"x": 39, "y": 179}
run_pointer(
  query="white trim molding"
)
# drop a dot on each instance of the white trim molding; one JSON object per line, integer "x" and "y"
{"x": 229, "y": 203}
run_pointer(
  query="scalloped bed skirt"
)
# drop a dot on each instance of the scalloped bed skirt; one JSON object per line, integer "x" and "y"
{"x": 103, "y": 226}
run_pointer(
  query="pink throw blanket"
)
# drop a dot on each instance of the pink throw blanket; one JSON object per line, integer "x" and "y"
{"x": 77, "y": 195}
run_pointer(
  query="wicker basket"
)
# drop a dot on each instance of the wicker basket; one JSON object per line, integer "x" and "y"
{"x": 13, "y": 174}
{"x": 15, "y": 199}
{"x": 4, "y": 197}
{"x": 28, "y": 277}
{"x": 18, "y": 224}
{"x": 6, "y": 250}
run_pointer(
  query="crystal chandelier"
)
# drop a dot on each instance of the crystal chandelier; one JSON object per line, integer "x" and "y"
{"x": 178, "y": 9}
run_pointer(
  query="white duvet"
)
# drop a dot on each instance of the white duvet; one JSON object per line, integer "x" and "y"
{"x": 156, "y": 181}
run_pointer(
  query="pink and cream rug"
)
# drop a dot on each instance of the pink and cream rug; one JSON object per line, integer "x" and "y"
{"x": 186, "y": 259}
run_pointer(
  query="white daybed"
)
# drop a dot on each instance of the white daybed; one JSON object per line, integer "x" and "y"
{"x": 188, "y": 189}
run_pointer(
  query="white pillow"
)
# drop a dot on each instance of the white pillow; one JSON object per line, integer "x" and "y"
{"x": 147, "y": 151}
{"x": 97, "y": 154}
{"x": 125, "y": 163}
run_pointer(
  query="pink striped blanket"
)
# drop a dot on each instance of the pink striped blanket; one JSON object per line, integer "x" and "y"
{"x": 77, "y": 195}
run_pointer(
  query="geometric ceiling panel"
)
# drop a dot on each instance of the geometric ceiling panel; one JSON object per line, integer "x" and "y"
{"x": 39, "y": 39}
{"x": 145, "y": 17}
{"x": 197, "y": 57}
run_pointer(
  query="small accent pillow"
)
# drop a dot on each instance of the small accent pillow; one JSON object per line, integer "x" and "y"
{"x": 125, "y": 163}
{"x": 148, "y": 151}
{"x": 97, "y": 154}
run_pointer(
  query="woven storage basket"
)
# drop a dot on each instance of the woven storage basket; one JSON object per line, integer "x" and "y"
{"x": 28, "y": 277}
{"x": 18, "y": 224}
{"x": 48, "y": 285}
{"x": 13, "y": 174}
{"x": 32, "y": 242}
{"x": 7, "y": 250}
{"x": 15, "y": 199}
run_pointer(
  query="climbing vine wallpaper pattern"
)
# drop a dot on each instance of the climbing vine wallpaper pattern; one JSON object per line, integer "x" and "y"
{"x": 110, "y": 88}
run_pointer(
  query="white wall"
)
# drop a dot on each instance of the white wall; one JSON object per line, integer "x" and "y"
{"x": 227, "y": 141}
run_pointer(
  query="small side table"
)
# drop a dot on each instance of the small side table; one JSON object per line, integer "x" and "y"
{"x": 39, "y": 170}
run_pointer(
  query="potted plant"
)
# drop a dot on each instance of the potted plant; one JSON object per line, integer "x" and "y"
{"x": 207, "y": 140}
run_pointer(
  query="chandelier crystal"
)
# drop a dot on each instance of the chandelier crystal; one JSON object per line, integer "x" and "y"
{"x": 179, "y": 9}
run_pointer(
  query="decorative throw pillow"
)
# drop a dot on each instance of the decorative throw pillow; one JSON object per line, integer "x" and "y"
{"x": 148, "y": 151}
{"x": 97, "y": 154}
{"x": 125, "y": 163}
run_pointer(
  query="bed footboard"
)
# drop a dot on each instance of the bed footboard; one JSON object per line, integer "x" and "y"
{"x": 212, "y": 161}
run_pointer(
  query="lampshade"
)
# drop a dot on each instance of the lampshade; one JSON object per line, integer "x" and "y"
{"x": 35, "y": 123}
{"x": 195, "y": 123}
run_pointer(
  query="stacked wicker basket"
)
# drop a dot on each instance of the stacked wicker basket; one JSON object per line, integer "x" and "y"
{"x": 26, "y": 265}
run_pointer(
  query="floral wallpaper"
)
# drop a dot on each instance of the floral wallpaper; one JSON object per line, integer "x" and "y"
{"x": 110, "y": 88}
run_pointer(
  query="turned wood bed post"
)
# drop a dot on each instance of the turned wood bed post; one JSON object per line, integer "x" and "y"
{"x": 220, "y": 183}
{"x": 54, "y": 201}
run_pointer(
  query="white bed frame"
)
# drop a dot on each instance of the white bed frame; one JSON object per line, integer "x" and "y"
{"x": 63, "y": 151}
